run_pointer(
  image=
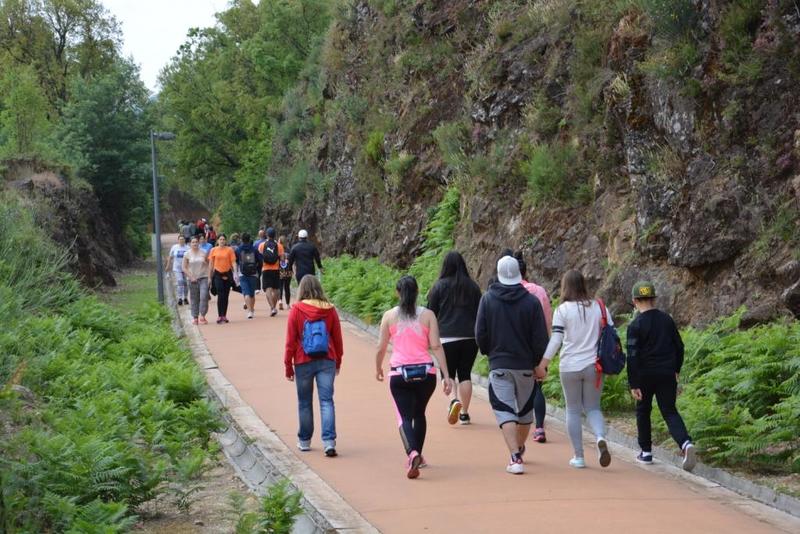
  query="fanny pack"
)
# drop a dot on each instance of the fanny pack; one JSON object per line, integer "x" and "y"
{"x": 414, "y": 373}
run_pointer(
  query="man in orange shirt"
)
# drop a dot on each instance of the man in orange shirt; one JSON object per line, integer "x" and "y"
{"x": 271, "y": 251}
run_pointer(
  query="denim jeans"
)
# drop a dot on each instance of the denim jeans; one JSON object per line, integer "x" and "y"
{"x": 324, "y": 371}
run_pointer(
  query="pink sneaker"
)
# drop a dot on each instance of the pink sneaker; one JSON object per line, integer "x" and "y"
{"x": 195, "y": 321}
{"x": 539, "y": 436}
{"x": 203, "y": 320}
{"x": 414, "y": 460}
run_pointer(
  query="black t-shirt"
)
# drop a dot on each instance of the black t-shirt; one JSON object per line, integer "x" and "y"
{"x": 654, "y": 346}
{"x": 456, "y": 317}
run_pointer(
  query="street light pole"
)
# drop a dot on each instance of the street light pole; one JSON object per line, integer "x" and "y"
{"x": 164, "y": 136}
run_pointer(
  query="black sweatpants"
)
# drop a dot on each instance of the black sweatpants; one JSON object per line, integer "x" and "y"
{"x": 460, "y": 356}
{"x": 223, "y": 288}
{"x": 665, "y": 390}
{"x": 286, "y": 289}
{"x": 539, "y": 407}
{"x": 411, "y": 399}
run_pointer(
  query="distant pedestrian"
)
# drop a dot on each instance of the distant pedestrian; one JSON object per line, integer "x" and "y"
{"x": 211, "y": 235}
{"x": 414, "y": 334}
{"x": 260, "y": 238}
{"x": 511, "y": 331}
{"x": 454, "y": 299}
{"x": 285, "y": 293}
{"x": 655, "y": 358}
{"x": 204, "y": 244}
{"x": 249, "y": 260}
{"x": 186, "y": 230}
{"x": 222, "y": 263}
{"x": 539, "y": 404}
{"x": 195, "y": 268}
{"x": 314, "y": 352}
{"x": 576, "y": 331}
{"x": 271, "y": 251}
{"x": 175, "y": 264}
{"x": 304, "y": 256}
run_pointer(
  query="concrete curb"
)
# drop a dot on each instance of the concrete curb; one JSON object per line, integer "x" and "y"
{"x": 712, "y": 476}
{"x": 257, "y": 454}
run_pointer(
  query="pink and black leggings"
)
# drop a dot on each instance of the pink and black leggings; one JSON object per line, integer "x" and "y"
{"x": 411, "y": 400}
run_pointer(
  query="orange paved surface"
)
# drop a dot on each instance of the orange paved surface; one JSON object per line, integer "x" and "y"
{"x": 466, "y": 488}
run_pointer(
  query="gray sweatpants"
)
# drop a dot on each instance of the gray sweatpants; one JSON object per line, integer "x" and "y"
{"x": 581, "y": 395}
{"x": 198, "y": 293}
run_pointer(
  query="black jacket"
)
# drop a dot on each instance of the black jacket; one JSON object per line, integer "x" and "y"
{"x": 455, "y": 319}
{"x": 510, "y": 328}
{"x": 654, "y": 347}
{"x": 304, "y": 255}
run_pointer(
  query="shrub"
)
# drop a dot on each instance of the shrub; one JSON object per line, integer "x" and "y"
{"x": 276, "y": 514}
{"x": 398, "y": 166}
{"x": 373, "y": 147}
{"x": 550, "y": 172}
{"x": 672, "y": 19}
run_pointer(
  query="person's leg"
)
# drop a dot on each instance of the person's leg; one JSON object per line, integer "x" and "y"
{"x": 591, "y": 401}
{"x": 511, "y": 433}
{"x": 643, "y": 411}
{"x": 404, "y": 399}
{"x": 272, "y": 298}
{"x": 423, "y": 392}
{"x": 194, "y": 298}
{"x": 287, "y": 289}
{"x": 202, "y": 283}
{"x": 219, "y": 286}
{"x": 539, "y": 407}
{"x": 503, "y": 399}
{"x": 223, "y": 294}
{"x": 325, "y": 377}
{"x": 451, "y": 354}
{"x": 180, "y": 278}
{"x": 526, "y": 386}
{"x": 468, "y": 351}
{"x": 304, "y": 381}
{"x": 572, "y": 386}
{"x": 666, "y": 393}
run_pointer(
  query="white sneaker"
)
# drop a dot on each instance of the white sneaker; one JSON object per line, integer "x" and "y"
{"x": 689, "y": 457}
{"x": 250, "y": 315}
{"x": 305, "y": 447}
{"x": 515, "y": 467}
{"x": 577, "y": 463}
{"x": 602, "y": 452}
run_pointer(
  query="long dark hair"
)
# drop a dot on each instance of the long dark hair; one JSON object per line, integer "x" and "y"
{"x": 455, "y": 267}
{"x": 408, "y": 290}
{"x": 573, "y": 289}
{"x": 523, "y": 269}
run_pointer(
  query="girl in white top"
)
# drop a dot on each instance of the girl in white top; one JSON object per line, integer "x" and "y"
{"x": 576, "y": 330}
{"x": 175, "y": 261}
{"x": 195, "y": 268}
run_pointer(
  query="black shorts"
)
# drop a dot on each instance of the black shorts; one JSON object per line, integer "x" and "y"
{"x": 270, "y": 280}
{"x": 460, "y": 356}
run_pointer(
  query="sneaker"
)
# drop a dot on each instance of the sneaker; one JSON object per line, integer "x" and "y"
{"x": 453, "y": 411}
{"x": 463, "y": 419}
{"x": 422, "y": 462}
{"x": 304, "y": 446}
{"x": 414, "y": 461}
{"x": 273, "y": 313}
{"x": 602, "y": 453}
{"x": 203, "y": 320}
{"x": 644, "y": 458}
{"x": 689, "y": 456}
{"x": 577, "y": 463}
{"x": 225, "y": 319}
{"x": 220, "y": 320}
{"x": 249, "y": 315}
{"x": 180, "y": 302}
{"x": 515, "y": 466}
{"x": 330, "y": 452}
{"x": 195, "y": 321}
{"x": 521, "y": 453}
{"x": 538, "y": 435}
{"x": 244, "y": 306}
{"x": 280, "y": 305}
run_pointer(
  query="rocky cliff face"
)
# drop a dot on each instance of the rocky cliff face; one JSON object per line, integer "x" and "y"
{"x": 70, "y": 214}
{"x": 588, "y": 136}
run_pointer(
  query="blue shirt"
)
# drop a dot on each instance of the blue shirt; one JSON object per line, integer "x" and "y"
{"x": 207, "y": 247}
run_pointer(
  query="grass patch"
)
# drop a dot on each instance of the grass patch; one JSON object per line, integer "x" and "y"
{"x": 134, "y": 290}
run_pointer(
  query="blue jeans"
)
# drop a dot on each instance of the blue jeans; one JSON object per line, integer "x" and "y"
{"x": 324, "y": 371}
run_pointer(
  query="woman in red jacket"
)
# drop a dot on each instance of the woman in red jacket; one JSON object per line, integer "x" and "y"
{"x": 314, "y": 352}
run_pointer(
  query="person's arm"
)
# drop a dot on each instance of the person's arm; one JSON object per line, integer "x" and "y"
{"x": 291, "y": 345}
{"x": 383, "y": 344}
{"x": 317, "y": 258}
{"x": 433, "y": 299}
{"x": 169, "y": 260}
{"x": 185, "y": 268}
{"x": 539, "y": 338}
{"x": 555, "y": 341}
{"x": 481, "y": 331}
{"x": 211, "y": 261}
{"x": 437, "y": 352}
{"x": 634, "y": 376}
{"x": 338, "y": 344}
{"x": 679, "y": 349}
{"x": 547, "y": 309}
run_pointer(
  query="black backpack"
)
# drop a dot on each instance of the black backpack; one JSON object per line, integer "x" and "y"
{"x": 270, "y": 252}
{"x": 249, "y": 262}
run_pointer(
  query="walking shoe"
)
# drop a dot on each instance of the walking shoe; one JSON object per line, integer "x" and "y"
{"x": 602, "y": 452}
{"x": 414, "y": 461}
{"x": 422, "y": 462}
{"x": 330, "y": 452}
{"x": 280, "y": 305}
{"x": 521, "y": 453}
{"x": 304, "y": 446}
{"x": 454, "y": 410}
{"x": 203, "y": 320}
{"x": 689, "y": 456}
{"x": 250, "y": 315}
{"x": 273, "y": 313}
{"x": 225, "y": 320}
{"x": 463, "y": 419}
{"x": 220, "y": 320}
{"x": 195, "y": 321}
{"x": 244, "y": 306}
{"x": 577, "y": 463}
{"x": 644, "y": 458}
{"x": 538, "y": 435}
{"x": 515, "y": 466}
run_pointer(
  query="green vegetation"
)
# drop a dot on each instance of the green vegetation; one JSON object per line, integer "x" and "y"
{"x": 116, "y": 414}
{"x": 552, "y": 174}
{"x": 276, "y": 513}
{"x": 133, "y": 291}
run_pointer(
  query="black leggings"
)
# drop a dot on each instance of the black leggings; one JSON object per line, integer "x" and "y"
{"x": 460, "y": 356}
{"x": 223, "y": 288}
{"x": 539, "y": 407}
{"x": 286, "y": 289}
{"x": 665, "y": 390}
{"x": 411, "y": 399}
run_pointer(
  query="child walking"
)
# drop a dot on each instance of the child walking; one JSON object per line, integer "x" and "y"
{"x": 655, "y": 357}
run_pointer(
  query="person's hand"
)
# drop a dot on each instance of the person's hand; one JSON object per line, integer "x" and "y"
{"x": 447, "y": 385}
{"x": 290, "y": 378}
{"x": 679, "y": 387}
{"x": 379, "y": 375}
{"x": 637, "y": 394}
{"x": 337, "y": 371}
{"x": 540, "y": 372}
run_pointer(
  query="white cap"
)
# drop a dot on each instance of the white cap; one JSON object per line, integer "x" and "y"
{"x": 508, "y": 271}
{"x": 302, "y": 234}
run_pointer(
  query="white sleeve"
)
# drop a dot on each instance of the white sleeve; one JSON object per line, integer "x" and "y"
{"x": 557, "y": 336}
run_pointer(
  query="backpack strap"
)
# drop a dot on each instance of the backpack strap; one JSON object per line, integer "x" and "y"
{"x": 603, "y": 323}
{"x": 604, "y": 314}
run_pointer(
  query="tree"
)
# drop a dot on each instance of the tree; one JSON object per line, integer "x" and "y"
{"x": 24, "y": 124}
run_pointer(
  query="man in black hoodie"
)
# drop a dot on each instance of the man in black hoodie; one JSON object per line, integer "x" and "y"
{"x": 510, "y": 329}
{"x": 303, "y": 257}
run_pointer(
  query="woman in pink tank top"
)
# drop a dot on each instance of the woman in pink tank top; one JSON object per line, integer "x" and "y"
{"x": 414, "y": 334}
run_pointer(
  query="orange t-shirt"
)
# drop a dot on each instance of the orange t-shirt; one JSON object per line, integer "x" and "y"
{"x": 224, "y": 258}
{"x": 275, "y": 266}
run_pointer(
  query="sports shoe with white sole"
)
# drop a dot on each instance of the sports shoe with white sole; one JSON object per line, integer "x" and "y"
{"x": 515, "y": 466}
{"x": 603, "y": 455}
{"x": 414, "y": 461}
{"x": 453, "y": 411}
{"x": 643, "y": 458}
{"x": 305, "y": 447}
{"x": 577, "y": 463}
{"x": 689, "y": 457}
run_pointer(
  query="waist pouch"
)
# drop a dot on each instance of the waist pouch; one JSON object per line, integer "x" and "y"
{"x": 414, "y": 373}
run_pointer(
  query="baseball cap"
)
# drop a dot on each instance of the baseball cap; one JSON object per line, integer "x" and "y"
{"x": 508, "y": 271}
{"x": 643, "y": 290}
{"x": 302, "y": 234}
{"x": 270, "y": 232}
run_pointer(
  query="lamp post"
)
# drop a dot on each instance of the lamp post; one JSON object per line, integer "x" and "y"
{"x": 161, "y": 136}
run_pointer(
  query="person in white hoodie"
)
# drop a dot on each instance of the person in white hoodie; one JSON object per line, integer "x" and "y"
{"x": 576, "y": 330}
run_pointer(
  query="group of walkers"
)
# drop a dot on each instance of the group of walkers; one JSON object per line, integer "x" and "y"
{"x": 513, "y": 325}
{"x": 202, "y": 266}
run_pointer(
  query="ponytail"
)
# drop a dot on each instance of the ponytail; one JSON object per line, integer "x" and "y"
{"x": 407, "y": 289}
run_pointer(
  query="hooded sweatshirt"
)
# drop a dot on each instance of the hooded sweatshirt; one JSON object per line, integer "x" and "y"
{"x": 510, "y": 328}
{"x": 311, "y": 310}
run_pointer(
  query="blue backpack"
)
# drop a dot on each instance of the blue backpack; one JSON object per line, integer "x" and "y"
{"x": 315, "y": 339}
{"x": 610, "y": 356}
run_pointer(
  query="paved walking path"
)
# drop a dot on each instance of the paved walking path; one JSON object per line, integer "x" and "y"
{"x": 466, "y": 488}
